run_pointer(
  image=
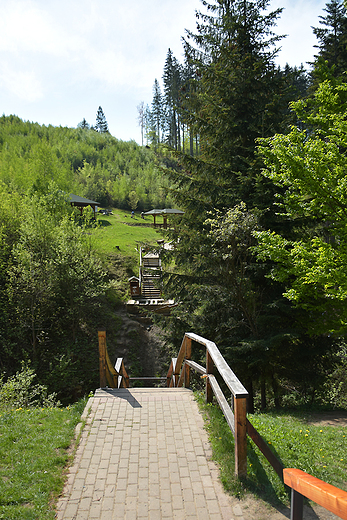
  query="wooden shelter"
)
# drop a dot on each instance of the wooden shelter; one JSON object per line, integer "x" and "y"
{"x": 164, "y": 213}
{"x": 81, "y": 203}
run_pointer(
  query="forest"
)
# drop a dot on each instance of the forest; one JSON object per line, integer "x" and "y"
{"x": 254, "y": 154}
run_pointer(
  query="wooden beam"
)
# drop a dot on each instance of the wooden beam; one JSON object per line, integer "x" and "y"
{"x": 209, "y": 370}
{"x": 240, "y": 411}
{"x": 186, "y": 366}
{"x": 223, "y": 403}
{"x": 195, "y": 366}
{"x": 102, "y": 357}
{"x": 330, "y": 497}
{"x": 264, "y": 448}
{"x": 234, "y": 385}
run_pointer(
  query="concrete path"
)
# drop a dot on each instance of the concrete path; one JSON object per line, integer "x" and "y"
{"x": 144, "y": 454}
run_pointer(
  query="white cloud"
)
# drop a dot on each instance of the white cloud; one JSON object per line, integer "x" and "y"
{"x": 21, "y": 83}
{"x": 61, "y": 59}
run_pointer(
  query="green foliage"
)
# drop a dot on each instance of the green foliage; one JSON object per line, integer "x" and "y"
{"x": 236, "y": 95}
{"x": 20, "y": 390}
{"x": 91, "y": 164}
{"x": 309, "y": 167}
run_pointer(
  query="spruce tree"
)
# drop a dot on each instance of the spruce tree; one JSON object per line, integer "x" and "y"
{"x": 157, "y": 111}
{"x": 332, "y": 38}
{"x": 237, "y": 96}
{"x": 101, "y": 123}
{"x": 172, "y": 84}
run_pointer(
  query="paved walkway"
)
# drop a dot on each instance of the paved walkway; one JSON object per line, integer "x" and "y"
{"x": 144, "y": 454}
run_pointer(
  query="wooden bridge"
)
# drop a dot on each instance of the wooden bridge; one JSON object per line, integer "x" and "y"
{"x": 144, "y": 453}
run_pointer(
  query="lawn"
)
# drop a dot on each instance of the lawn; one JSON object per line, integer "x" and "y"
{"x": 121, "y": 233}
{"x": 34, "y": 446}
{"x": 317, "y": 450}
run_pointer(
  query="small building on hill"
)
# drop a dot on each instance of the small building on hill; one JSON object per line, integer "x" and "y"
{"x": 164, "y": 213}
{"x": 81, "y": 203}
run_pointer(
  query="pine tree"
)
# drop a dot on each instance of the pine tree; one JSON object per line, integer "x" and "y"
{"x": 141, "y": 118}
{"x": 332, "y": 37}
{"x": 83, "y": 124}
{"x": 172, "y": 84}
{"x": 237, "y": 96}
{"x": 157, "y": 111}
{"x": 101, "y": 123}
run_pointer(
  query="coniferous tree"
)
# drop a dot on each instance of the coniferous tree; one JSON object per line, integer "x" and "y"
{"x": 101, "y": 123}
{"x": 172, "y": 84}
{"x": 141, "y": 118}
{"x": 83, "y": 124}
{"x": 332, "y": 38}
{"x": 237, "y": 96}
{"x": 157, "y": 111}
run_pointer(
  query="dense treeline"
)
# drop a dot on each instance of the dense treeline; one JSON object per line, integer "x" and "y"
{"x": 54, "y": 289}
{"x": 92, "y": 164}
{"x": 235, "y": 194}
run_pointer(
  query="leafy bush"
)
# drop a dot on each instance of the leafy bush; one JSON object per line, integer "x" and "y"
{"x": 20, "y": 391}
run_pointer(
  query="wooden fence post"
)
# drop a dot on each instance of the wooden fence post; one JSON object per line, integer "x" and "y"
{"x": 102, "y": 357}
{"x": 209, "y": 370}
{"x": 240, "y": 413}
{"x": 186, "y": 367}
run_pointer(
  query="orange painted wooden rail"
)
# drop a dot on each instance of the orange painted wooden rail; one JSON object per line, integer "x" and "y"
{"x": 330, "y": 497}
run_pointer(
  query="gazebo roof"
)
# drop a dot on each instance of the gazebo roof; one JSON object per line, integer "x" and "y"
{"x": 76, "y": 199}
{"x": 167, "y": 211}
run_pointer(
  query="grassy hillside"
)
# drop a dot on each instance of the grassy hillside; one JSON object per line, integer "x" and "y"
{"x": 120, "y": 233}
{"x": 91, "y": 164}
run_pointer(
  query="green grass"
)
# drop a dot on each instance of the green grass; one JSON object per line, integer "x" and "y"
{"x": 320, "y": 451}
{"x": 122, "y": 231}
{"x": 33, "y": 455}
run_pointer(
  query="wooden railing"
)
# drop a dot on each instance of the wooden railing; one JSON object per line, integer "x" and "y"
{"x": 179, "y": 375}
{"x": 304, "y": 485}
{"x": 301, "y": 483}
{"x": 235, "y": 415}
{"x": 114, "y": 377}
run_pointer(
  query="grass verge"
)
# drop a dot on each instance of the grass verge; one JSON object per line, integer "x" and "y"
{"x": 318, "y": 450}
{"x": 34, "y": 446}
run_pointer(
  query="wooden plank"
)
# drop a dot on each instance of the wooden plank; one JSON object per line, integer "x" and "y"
{"x": 179, "y": 360}
{"x": 264, "y": 448}
{"x": 330, "y": 497}
{"x": 125, "y": 378}
{"x": 186, "y": 366}
{"x": 223, "y": 403}
{"x": 196, "y": 366}
{"x": 180, "y": 382}
{"x": 240, "y": 411}
{"x": 102, "y": 357}
{"x": 169, "y": 375}
{"x": 234, "y": 385}
{"x": 209, "y": 370}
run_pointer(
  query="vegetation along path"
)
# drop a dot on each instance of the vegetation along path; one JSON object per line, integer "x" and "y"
{"x": 144, "y": 454}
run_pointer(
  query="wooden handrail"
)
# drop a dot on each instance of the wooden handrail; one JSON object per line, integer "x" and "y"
{"x": 116, "y": 377}
{"x": 302, "y": 484}
{"x": 179, "y": 375}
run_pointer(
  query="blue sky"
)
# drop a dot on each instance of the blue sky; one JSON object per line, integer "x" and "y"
{"x": 61, "y": 59}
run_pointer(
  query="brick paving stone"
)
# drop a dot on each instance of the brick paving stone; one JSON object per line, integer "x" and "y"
{"x": 144, "y": 455}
